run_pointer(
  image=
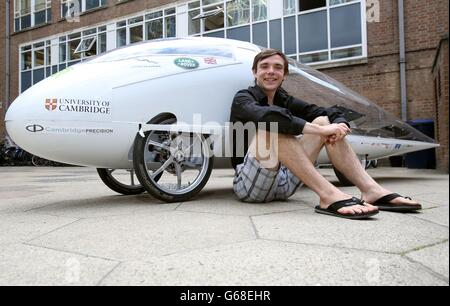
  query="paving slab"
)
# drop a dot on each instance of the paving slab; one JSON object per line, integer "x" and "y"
{"x": 434, "y": 257}
{"x": 24, "y": 265}
{"x": 262, "y": 262}
{"x": 386, "y": 232}
{"x": 140, "y": 236}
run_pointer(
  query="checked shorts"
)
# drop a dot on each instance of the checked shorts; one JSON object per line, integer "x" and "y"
{"x": 255, "y": 184}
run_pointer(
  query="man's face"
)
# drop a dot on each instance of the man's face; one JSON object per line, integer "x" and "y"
{"x": 270, "y": 73}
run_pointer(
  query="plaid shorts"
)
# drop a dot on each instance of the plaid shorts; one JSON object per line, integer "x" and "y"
{"x": 255, "y": 184}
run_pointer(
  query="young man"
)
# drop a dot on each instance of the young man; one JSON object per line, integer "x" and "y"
{"x": 262, "y": 177}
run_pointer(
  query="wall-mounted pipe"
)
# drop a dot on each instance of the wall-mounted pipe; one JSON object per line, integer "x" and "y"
{"x": 7, "y": 56}
{"x": 403, "y": 90}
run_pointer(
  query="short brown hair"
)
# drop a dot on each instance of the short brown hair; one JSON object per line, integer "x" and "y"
{"x": 268, "y": 53}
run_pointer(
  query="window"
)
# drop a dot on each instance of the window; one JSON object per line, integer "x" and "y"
{"x": 35, "y": 64}
{"x": 155, "y": 25}
{"x": 73, "y": 8}
{"x": 229, "y": 18}
{"x": 326, "y": 33}
{"x": 79, "y": 46}
{"x": 30, "y": 13}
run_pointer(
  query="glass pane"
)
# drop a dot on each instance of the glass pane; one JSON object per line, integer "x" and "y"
{"x": 336, "y": 2}
{"x": 215, "y": 21}
{"x": 290, "y": 41}
{"x": 62, "y": 67}
{"x": 288, "y": 7}
{"x": 17, "y": 24}
{"x": 49, "y": 15}
{"x": 275, "y": 34}
{"x": 346, "y": 25}
{"x": 25, "y": 22}
{"x": 26, "y": 61}
{"x": 89, "y": 32}
{"x": 241, "y": 33}
{"x": 194, "y": 5}
{"x": 92, "y": 51}
{"x": 351, "y": 52}
{"x": 260, "y": 34}
{"x": 72, "y": 47}
{"x": 48, "y": 59}
{"x": 62, "y": 53}
{"x": 194, "y": 25}
{"x": 259, "y": 10}
{"x": 39, "y": 18}
{"x": 170, "y": 11}
{"x": 154, "y": 29}
{"x": 313, "y": 31}
{"x": 121, "y": 37}
{"x": 39, "y": 5}
{"x": 102, "y": 43}
{"x": 90, "y": 4}
{"x": 38, "y": 75}
{"x": 136, "y": 34}
{"x": 154, "y": 15}
{"x": 171, "y": 26}
{"x": 206, "y": 2}
{"x": 238, "y": 12}
{"x": 305, "y": 5}
{"x": 25, "y": 7}
{"x": 25, "y": 81}
{"x": 135, "y": 20}
{"x": 220, "y": 34}
{"x": 314, "y": 57}
{"x": 48, "y": 71}
{"x": 54, "y": 69}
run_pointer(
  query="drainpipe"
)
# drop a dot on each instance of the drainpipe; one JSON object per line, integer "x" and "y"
{"x": 403, "y": 92}
{"x": 7, "y": 56}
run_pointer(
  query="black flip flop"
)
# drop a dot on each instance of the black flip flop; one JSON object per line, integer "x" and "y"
{"x": 332, "y": 210}
{"x": 384, "y": 203}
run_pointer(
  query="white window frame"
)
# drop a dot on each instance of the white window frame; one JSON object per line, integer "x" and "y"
{"x": 82, "y": 8}
{"x": 18, "y": 14}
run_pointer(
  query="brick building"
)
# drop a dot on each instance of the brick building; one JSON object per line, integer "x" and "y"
{"x": 355, "y": 41}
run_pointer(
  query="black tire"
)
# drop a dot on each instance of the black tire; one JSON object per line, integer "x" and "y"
{"x": 343, "y": 180}
{"x": 125, "y": 189}
{"x": 169, "y": 164}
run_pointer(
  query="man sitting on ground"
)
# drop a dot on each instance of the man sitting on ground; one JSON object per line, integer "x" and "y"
{"x": 303, "y": 130}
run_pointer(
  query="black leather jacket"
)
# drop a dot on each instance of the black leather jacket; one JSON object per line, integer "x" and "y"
{"x": 291, "y": 114}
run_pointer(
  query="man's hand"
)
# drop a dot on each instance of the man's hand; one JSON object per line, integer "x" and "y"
{"x": 335, "y": 132}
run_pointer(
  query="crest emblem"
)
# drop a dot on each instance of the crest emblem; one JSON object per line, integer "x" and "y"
{"x": 51, "y": 104}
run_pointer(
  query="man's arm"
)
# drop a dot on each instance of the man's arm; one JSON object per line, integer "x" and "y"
{"x": 245, "y": 108}
{"x": 309, "y": 112}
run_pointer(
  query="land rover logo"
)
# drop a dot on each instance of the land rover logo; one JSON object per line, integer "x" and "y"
{"x": 35, "y": 128}
{"x": 186, "y": 63}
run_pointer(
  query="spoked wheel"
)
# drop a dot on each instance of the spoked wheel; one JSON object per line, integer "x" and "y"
{"x": 121, "y": 181}
{"x": 172, "y": 166}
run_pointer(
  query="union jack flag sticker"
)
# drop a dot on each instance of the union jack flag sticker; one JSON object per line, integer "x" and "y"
{"x": 210, "y": 60}
{"x": 51, "y": 104}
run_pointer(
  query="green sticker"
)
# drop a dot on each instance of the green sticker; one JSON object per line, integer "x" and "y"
{"x": 186, "y": 63}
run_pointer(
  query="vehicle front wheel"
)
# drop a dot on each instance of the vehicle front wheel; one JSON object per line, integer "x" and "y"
{"x": 172, "y": 166}
{"x": 121, "y": 181}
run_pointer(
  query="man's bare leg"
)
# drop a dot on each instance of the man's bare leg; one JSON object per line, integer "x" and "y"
{"x": 299, "y": 156}
{"x": 345, "y": 160}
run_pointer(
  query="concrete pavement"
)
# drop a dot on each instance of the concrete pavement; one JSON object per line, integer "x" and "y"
{"x": 62, "y": 226}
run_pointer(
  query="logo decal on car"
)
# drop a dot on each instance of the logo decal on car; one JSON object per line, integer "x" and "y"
{"x": 51, "y": 104}
{"x": 34, "y": 128}
{"x": 186, "y": 63}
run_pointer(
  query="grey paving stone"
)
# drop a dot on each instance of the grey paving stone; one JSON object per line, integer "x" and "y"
{"x": 386, "y": 232}
{"x": 24, "y": 265}
{"x": 434, "y": 257}
{"x": 140, "y": 236}
{"x": 272, "y": 263}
